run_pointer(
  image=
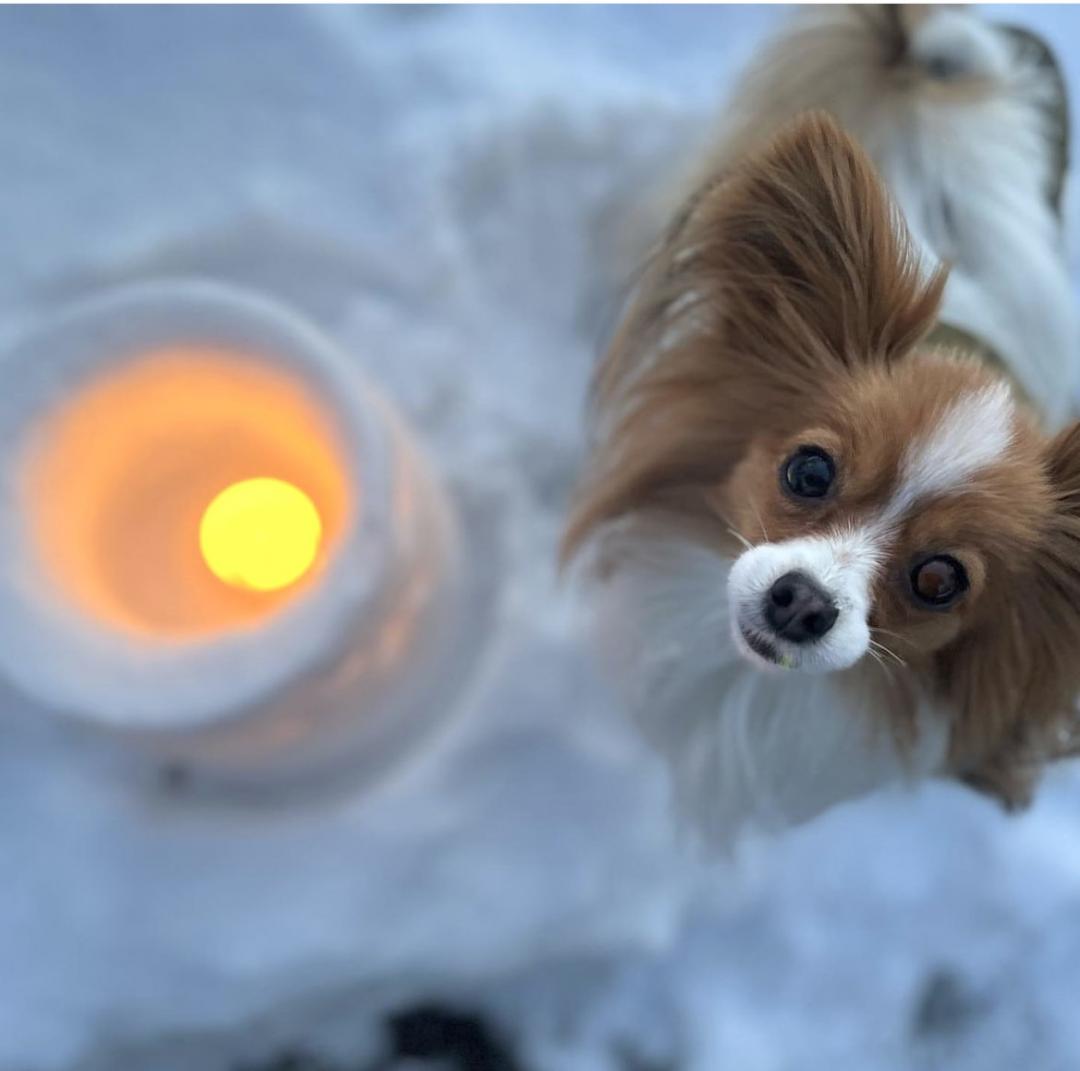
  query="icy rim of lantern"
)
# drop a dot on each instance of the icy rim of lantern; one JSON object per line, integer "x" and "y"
{"x": 59, "y": 658}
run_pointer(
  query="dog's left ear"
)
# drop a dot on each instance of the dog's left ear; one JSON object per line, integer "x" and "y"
{"x": 1053, "y": 608}
{"x": 1057, "y": 612}
{"x": 1015, "y": 681}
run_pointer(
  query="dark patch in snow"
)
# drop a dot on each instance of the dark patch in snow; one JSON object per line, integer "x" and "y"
{"x": 425, "y": 1037}
{"x": 294, "y": 1060}
{"x": 946, "y": 1005}
{"x": 458, "y": 1041}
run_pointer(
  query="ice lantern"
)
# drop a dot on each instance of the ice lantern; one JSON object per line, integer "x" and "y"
{"x": 223, "y": 550}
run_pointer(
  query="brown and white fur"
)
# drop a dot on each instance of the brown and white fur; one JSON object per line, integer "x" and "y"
{"x": 789, "y": 308}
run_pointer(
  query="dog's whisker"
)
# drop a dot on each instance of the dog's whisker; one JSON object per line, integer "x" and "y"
{"x": 882, "y": 649}
{"x": 741, "y": 538}
{"x": 885, "y": 632}
{"x": 733, "y": 530}
{"x": 881, "y": 662}
{"x": 894, "y": 656}
{"x": 876, "y": 646}
{"x": 764, "y": 533}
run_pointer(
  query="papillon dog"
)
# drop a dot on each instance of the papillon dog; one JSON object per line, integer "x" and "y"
{"x": 831, "y": 516}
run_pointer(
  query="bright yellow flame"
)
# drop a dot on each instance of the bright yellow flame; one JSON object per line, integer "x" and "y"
{"x": 261, "y": 534}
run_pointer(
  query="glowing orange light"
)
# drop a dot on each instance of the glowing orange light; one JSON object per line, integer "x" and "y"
{"x": 121, "y": 478}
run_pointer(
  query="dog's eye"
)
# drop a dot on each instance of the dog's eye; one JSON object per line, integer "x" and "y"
{"x": 938, "y": 581}
{"x": 809, "y": 472}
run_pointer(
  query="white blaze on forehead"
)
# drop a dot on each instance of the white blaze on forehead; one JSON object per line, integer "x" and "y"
{"x": 972, "y": 433}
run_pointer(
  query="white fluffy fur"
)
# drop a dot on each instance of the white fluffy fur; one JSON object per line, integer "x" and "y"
{"x": 970, "y": 171}
{"x": 747, "y": 748}
{"x": 987, "y": 162}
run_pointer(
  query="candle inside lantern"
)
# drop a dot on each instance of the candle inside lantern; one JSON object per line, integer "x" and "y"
{"x": 261, "y": 534}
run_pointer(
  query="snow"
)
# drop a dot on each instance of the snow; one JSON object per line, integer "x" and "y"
{"x": 442, "y": 191}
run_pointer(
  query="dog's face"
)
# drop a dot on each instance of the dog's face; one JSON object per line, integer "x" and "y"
{"x": 903, "y": 511}
{"x": 769, "y": 394}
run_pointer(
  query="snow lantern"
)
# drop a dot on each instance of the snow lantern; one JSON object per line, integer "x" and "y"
{"x": 224, "y": 553}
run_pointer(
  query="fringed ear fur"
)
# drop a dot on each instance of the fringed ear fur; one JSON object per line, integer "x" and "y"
{"x": 1016, "y": 680}
{"x": 788, "y": 269}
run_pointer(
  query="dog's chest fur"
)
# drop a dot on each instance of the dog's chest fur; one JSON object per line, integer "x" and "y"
{"x": 747, "y": 749}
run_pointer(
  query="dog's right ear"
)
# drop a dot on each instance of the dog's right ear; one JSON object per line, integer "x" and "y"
{"x": 799, "y": 241}
{"x": 778, "y": 273}
{"x": 804, "y": 239}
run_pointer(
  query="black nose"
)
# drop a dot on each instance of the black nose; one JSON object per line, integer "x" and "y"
{"x": 797, "y": 610}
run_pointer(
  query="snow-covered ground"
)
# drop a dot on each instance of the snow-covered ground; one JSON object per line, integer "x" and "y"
{"x": 439, "y": 190}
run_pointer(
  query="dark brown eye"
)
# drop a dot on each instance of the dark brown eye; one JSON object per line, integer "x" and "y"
{"x": 938, "y": 581}
{"x": 808, "y": 473}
